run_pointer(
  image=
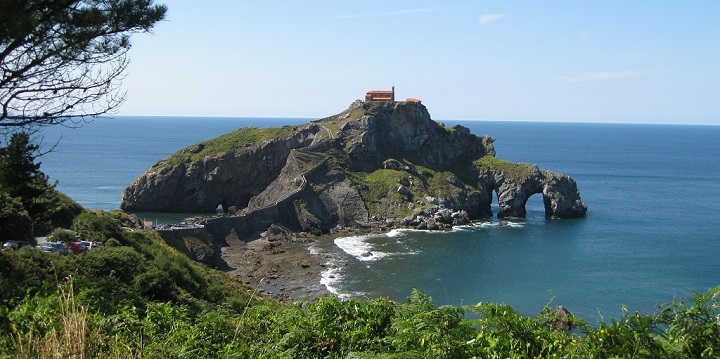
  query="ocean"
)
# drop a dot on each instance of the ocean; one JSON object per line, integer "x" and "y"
{"x": 651, "y": 232}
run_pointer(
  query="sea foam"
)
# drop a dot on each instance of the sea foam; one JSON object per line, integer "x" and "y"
{"x": 358, "y": 247}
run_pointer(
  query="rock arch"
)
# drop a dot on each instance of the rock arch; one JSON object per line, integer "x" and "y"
{"x": 561, "y": 197}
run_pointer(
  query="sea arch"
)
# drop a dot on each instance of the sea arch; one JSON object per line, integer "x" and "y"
{"x": 561, "y": 198}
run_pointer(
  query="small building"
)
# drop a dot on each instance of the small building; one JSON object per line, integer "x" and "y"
{"x": 380, "y": 95}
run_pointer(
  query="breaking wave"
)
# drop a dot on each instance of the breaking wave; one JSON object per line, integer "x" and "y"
{"x": 358, "y": 247}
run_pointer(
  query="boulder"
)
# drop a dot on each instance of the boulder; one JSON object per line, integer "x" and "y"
{"x": 402, "y": 190}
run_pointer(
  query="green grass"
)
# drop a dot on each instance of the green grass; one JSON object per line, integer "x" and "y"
{"x": 439, "y": 185}
{"x": 308, "y": 159}
{"x": 378, "y": 190}
{"x": 513, "y": 171}
{"x": 236, "y": 141}
{"x": 335, "y": 123}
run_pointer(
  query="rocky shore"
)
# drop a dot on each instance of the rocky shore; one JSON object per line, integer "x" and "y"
{"x": 279, "y": 263}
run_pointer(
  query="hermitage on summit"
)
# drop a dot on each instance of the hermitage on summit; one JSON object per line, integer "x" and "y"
{"x": 385, "y": 95}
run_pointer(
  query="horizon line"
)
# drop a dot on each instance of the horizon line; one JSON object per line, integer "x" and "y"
{"x": 608, "y": 122}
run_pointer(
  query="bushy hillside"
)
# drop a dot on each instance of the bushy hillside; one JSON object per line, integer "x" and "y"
{"x": 139, "y": 298}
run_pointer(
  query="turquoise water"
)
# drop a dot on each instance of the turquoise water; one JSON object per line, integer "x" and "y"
{"x": 651, "y": 233}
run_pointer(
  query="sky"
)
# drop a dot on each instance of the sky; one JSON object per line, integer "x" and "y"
{"x": 564, "y": 61}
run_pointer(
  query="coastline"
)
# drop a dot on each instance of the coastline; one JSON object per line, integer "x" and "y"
{"x": 281, "y": 264}
{"x": 283, "y": 269}
{"x": 286, "y": 265}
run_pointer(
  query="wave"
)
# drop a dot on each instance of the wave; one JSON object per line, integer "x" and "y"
{"x": 332, "y": 276}
{"x": 399, "y": 232}
{"x": 357, "y": 247}
{"x": 501, "y": 224}
{"x": 111, "y": 188}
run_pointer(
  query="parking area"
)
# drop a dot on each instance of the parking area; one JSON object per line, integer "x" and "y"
{"x": 44, "y": 245}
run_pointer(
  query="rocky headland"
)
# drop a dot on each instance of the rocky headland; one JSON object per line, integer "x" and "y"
{"x": 375, "y": 166}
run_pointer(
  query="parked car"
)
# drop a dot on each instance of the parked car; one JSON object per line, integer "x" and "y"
{"x": 15, "y": 245}
{"x": 79, "y": 246}
{"x": 54, "y": 247}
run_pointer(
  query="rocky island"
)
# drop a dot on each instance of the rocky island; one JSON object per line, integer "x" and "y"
{"x": 378, "y": 164}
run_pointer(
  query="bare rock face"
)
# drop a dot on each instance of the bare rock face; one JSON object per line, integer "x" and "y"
{"x": 562, "y": 197}
{"x": 315, "y": 177}
{"x": 226, "y": 179}
{"x": 391, "y": 127}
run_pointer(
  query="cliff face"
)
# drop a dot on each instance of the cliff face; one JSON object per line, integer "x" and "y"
{"x": 406, "y": 129}
{"x": 229, "y": 178}
{"x": 374, "y": 160}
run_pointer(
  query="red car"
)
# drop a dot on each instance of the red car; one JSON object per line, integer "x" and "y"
{"x": 79, "y": 247}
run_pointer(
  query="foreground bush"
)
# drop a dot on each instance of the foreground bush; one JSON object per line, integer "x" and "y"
{"x": 141, "y": 298}
{"x": 64, "y": 324}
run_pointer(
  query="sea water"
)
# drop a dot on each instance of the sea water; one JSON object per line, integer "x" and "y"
{"x": 651, "y": 232}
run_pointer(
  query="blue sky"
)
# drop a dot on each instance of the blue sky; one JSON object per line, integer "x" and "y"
{"x": 579, "y": 61}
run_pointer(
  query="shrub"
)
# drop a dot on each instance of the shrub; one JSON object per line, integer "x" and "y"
{"x": 28, "y": 272}
{"x": 182, "y": 272}
{"x": 62, "y": 235}
{"x": 97, "y": 226}
{"x": 155, "y": 285}
{"x": 436, "y": 332}
{"x": 15, "y": 222}
{"x": 106, "y": 276}
{"x": 112, "y": 242}
{"x": 693, "y": 327}
{"x": 57, "y": 325}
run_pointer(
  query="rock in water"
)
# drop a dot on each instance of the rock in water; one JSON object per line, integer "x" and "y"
{"x": 344, "y": 170}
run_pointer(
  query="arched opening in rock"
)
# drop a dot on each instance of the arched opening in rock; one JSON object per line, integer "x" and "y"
{"x": 488, "y": 203}
{"x": 221, "y": 208}
{"x": 494, "y": 203}
{"x": 535, "y": 206}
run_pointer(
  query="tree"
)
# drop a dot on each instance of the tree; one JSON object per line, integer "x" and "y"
{"x": 28, "y": 201}
{"x": 20, "y": 175}
{"x": 22, "y": 183}
{"x": 15, "y": 223}
{"x": 63, "y": 60}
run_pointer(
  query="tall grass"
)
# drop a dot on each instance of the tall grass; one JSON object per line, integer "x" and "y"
{"x": 67, "y": 335}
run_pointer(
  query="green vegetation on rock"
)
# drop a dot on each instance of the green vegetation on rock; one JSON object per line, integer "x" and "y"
{"x": 512, "y": 171}
{"x": 378, "y": 189}
{"x": 242, "y": 139}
